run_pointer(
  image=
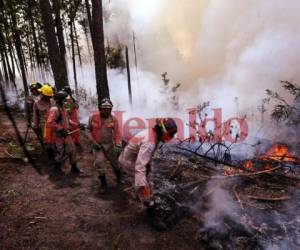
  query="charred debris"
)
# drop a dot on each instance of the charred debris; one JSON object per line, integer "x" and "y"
{"x": 249, "y": 204}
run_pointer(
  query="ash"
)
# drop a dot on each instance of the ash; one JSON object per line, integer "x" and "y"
{"x": 239, "y": 209}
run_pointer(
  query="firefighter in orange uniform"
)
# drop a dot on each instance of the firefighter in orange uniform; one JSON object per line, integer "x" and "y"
{"x": 106, "y": 138}
{"x": 58, "y": 133}
{"x": 72, "y": 108}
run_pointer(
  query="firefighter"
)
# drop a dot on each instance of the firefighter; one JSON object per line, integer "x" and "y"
{"x": 58, "y": 127}
{"x": 29, "y": 100}
{"x": 41, "y": 108}
{"x": 106, "y": 139}
{"x": 136, "y": 157}
{"x": 68, "y": 90}
{"x": 72, "y": 108}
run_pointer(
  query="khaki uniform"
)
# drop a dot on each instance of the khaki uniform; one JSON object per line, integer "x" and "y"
{"x": 40, "y": 114}
{"x": 64, "y": 146}
{"x": 136, "y": 157}
{"x": 105, "y": 132}
{"x": 28, "y": 106}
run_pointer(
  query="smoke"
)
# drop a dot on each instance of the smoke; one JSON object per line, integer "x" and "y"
{"x": 221, "y": 204}
{"x": 224, "y": 225}
{"x": 221, "y": 51}
{"x": 225, "y": 52}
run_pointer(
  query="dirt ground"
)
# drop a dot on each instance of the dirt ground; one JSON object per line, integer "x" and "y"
{"x": 43, "y": 211}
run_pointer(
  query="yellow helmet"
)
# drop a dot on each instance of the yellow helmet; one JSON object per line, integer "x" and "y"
{"x": 46, "y": 90}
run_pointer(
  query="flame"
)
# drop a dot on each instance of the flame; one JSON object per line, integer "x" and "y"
{"x": 279, "y": 152}
{"x": 248, "y": 165}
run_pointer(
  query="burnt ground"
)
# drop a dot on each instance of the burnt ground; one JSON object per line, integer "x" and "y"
{"x": 44, "y": 211}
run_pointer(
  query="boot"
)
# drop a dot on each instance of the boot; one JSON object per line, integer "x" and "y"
{"x": 57, "y": 169}
{"x": 120, "y": 179}
{"x": 103, "y": 184}
{"x": 75, "y": 170}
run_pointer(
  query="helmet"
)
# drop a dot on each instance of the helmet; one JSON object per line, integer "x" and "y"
{"x": 46, "y": 90}
{"x": 60, "y": 95}
{"x": 167, "y": 125}
{"x": 35, "y": 85}
{"x": 106, "y": 103}
{"x": 69, "y": 104}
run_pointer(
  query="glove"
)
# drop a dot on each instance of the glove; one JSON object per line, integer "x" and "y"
{"x": 96, "y": 146}
{"x": 144, "y": 193}
{"x": 81, "y": 126}
{"x": 62, "y": 132}
{"x": 149, "y": 203}
{"x": 118, "y": 149}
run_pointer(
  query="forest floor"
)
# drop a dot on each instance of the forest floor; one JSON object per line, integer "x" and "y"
{"x": 44, "y": 211}
{"x": 207, "y": 205}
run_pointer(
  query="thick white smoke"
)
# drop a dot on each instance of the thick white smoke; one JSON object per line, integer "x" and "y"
{"x": 218, "y": 50}
{"x": 226, "y": 52}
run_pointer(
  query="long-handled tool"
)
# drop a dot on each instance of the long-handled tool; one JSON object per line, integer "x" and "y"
{"x": 26, "y": 134}
{"x": 74, "y": 131}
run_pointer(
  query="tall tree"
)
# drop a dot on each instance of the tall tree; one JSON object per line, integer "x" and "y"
{"x": 58, "y": 64}
{"x": 89, "y": 16}
{"x": 18, "y": 46}
{"x": 99, "y": 50}
{"x": 59, "y": 28}
{"x": 6, "y": 77}
{"x": 30, "y": 5}
{"x": 73, "y": 8}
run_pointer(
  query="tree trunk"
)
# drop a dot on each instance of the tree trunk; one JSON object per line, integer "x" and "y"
{"x": 128, "y": 75}
{"x": 30, "y": 52}
{"x": 99, "y": 50}
{"x": 88, "y": 12}
{"x": 13, "y": 61}
{"x": 77, "y": 44}
{"x": 73, "y": 58}
{"x": 18, "y": 46}
{"x": 58, "y": 65}
{"x": 59, "y": 28}
{"x": 1, "y": 76}
{"x": 6, "y": 77}
{"x": 10, "y": 72}
{"x": 33, "y": 31}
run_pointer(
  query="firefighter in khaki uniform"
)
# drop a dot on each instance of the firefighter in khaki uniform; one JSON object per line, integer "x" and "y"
{"x": 136, "y": 157}
{"x": 58, "y": 127}
{"x": 30, "y": 100}
{"x": 106, "y": 138}
{"x": 41, "y": 108}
